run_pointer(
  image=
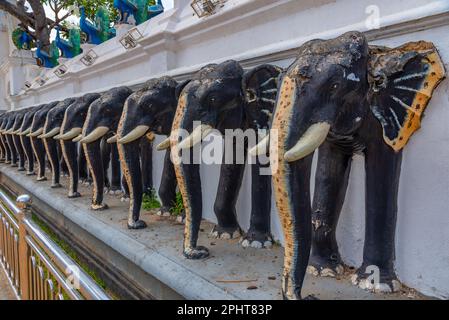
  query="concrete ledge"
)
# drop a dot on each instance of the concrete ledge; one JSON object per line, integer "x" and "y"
{"x": 148, "y": 264}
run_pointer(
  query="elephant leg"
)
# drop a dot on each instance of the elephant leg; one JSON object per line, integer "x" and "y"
{"x": 331, "y": 182}
{"x": 82, "y": 165}
{"x": 39, "y": 152}
{"x": 52, "y": 152}
{"x": 12, "y": 150}
{"x": 259, "y": 232}
{"x": 69, "y": 151}
{"x": 115, "y": 170}
{"x": 167, "y": 189}
{"x": 20, "y": 152}
{"x": 62, "y": 163}
{"x": 125, "y": 187}
{"x": 95, "y": 164}
{"x": 7, "y": 151}
{"x": 106, "y": 158}
{"x": 146, "y": 158}
{"x": 130, "y": 161}
{"x": 2, "y": 150}
{"x": 292, "y": 193}
{"x": 27, "y": 148}
{"x": 383, "y": 169}
{"x": 231, "y": 177}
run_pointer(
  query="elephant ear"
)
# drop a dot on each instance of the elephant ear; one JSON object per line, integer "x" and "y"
{"x": 402, "y": 81}
{"x": 260, "y": 88}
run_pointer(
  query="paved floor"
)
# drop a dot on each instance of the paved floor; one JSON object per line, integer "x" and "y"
{"x": 6, "y": 293}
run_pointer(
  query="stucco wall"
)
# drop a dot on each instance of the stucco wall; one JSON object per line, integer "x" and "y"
{"x": 255, "y": 32}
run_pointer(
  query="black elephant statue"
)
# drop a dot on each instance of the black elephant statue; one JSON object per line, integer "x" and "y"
{"x": 36, "y": 129}
{"x": 25, "y": 129}
{"x": 148, "y": 111}
{"x": 222, "y": 97}
{"x": 342, "y": 97}
{"x": 7, "y": 133}
{"x": 71, "y": 126}
{"x": 101, "y": 123}
{"x": 51, "y": 128}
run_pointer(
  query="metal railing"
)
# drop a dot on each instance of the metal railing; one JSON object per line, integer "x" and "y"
{"x": 37, "y": 267}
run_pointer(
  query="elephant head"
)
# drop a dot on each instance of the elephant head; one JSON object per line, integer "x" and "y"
{"x": 334, "y": 92}
{"x": 221, "y": 97}
{"x": 102, "y": 118}
{"x": 54, "y": 118}
{"x": 74, "y": 117}
{"x": 148, "y": 111}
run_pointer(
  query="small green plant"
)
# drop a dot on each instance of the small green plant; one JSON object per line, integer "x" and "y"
{"x": 178, "y": 205}
{"x": 150, "y": 201}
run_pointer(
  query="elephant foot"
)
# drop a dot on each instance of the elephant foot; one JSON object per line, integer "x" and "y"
{"x": 225, "y": 233}
{"x": 87, "y": 183}
{"x": 73, "y": 195}
{"x": 21, "y": 169}
{"x": 196, "y": 253}
{"x": 181, "y": 218}
{"x": 124, "y": 198}
{"x": 30, "y": 173}
{"x": 257, "y": 239}
{"x": 137, "y": 225}
{"x": 115, "y": 192}
{"x": 56, "y": 185}
{"x": 325, "y": 266}
{"x": 99, "y": 207}
{"x": 373, "y": 279}
{"x": 14, "y": 165}
{"x": 164, "y": 212}
{"x": 7, "y": 162}
{"x": 40, "y": 179}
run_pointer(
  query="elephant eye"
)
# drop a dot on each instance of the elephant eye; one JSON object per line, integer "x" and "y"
{"x": 335, "y": 86}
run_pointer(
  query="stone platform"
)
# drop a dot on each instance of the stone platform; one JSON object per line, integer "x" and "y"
{"x": 148, "y": 263}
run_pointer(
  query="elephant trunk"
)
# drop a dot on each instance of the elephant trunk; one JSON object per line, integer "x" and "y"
{"x": 189, "y": 183}
{"x": 70, "y": 154}
{"x": 7, "y": 155}
{"x": 95, "y": 163}
{"x": 28, "y": 149}
{"x": 291, "y": 166}
{"x": 20, "y": 153}
{"x": 130, "y": 162}
{"x": 12, "y": 150}
{"x": 51, "y": 149}
{"x": 39, "y": 152}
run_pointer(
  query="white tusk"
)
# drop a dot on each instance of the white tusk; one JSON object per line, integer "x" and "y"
{"x": 112, "y": 139}
{"x": 95, "y": 135}
{"x": 77, "y": 139}
{"x": 311, "y": 140}
{"x": 198, "y": 134}
{"x": 24, "y": 133}
{"x": 261, "y": 148}
{"x": 135, "y": 134}
{"x": 71, "y": 134}
{"x": 36, "y": 133}
{"x": 164, "y": 145}
{"x": 51, "y": 133}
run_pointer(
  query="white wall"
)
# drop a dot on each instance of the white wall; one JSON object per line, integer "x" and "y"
{"x": 254, "y": 32}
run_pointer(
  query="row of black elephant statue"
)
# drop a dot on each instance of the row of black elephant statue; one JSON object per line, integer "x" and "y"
{"x": 340, "y": 96}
